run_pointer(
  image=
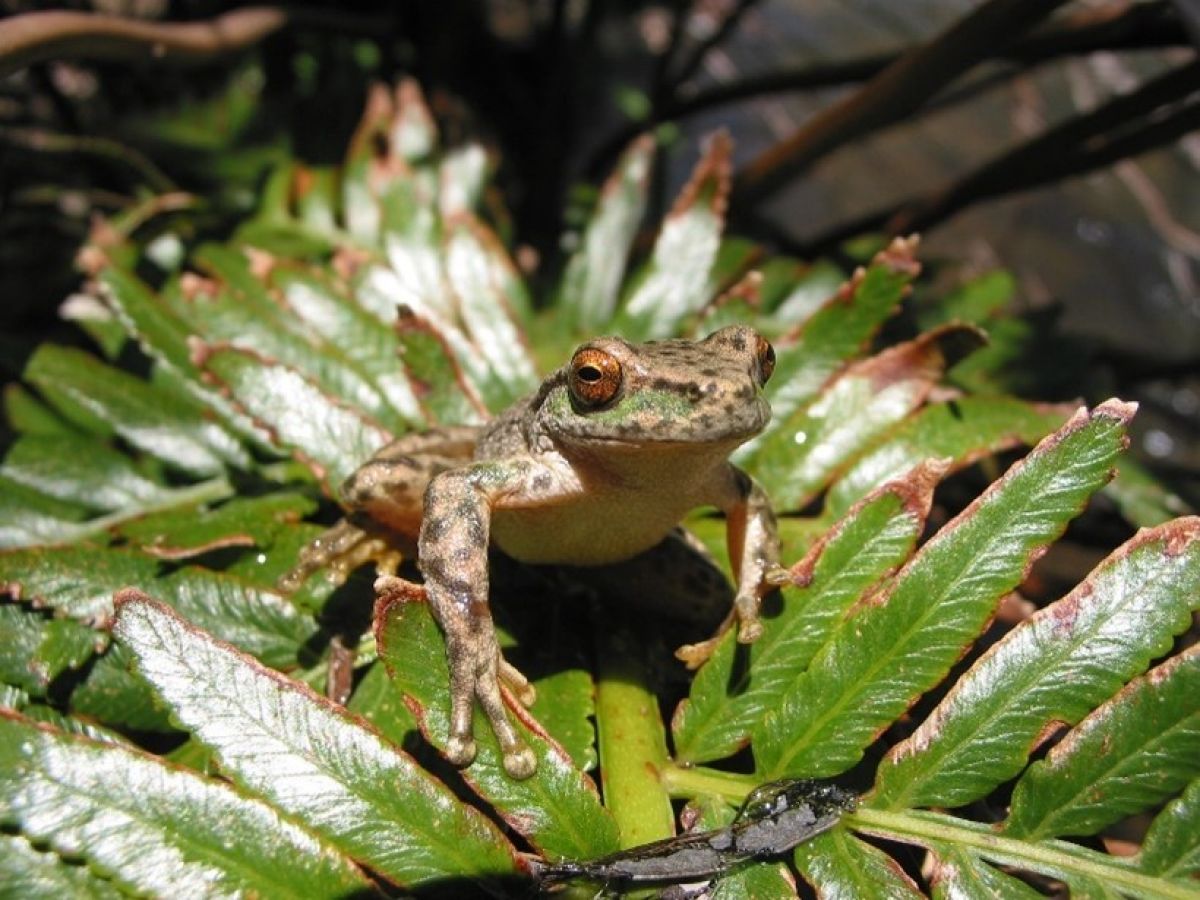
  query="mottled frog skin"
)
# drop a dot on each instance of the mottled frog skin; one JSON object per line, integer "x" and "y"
{"x": 597, "y": 466}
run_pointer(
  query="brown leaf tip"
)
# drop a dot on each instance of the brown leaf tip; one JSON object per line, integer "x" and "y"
{"x": 900, "y": 256}
{"x": 716, "y": 164}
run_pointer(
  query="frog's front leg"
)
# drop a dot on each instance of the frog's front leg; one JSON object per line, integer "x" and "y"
{"x": 753, "y": 543}
{"x": 453, "y": 557}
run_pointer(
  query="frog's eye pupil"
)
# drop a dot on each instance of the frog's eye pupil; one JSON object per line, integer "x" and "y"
{"x": 595, "y": 376}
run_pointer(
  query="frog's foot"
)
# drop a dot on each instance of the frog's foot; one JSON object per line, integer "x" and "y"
{"x": 341, "y": 549}
{"x": 746, "y": 608}
{"x": 695, "y": 655}
{"x": 476, "y": 669}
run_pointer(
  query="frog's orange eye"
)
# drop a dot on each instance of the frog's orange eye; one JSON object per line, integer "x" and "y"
{"x": 594, "y": 376}
{"x": 766, "y": 358}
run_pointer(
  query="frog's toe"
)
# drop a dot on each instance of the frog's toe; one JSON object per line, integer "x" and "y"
{"x": 749, "y": 631}
{"x": 520, "y": 762}
{"x": 777, "y": 576}
{"x": 460, "y": 749}
{"x": 517, "y": 683}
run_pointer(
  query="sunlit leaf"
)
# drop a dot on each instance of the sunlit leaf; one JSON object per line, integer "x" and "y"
{"x": 1137, "y": 749}
{"x": 111, "y": 401}
{"x": 904, "y": 640}
{"x": 960, "y": 875}
{"x": 1053, "y": 667}
{"x": 79, "y": 471}
{"x": 1172, "y": 846}
{"x": 800, "y": 455}
{"x": 186, "y": 531}
{"x": 441, "y": 386}
{"x": 151, "y": 827}
{"x": 29, "y": 872}
{"x": 847, "y": 868}
{"x": 79, "y": 582}
{"x": 473, "y": 275}
{"x": 592, "y": 280}
{"x": 739, "y": 684}
{"x": 311, "y": 759}
{"x": 962, "y": 430}
{"x": 675, "y": 284}
{"x": 331, "y": 438}
{"x": 344, "y": 324}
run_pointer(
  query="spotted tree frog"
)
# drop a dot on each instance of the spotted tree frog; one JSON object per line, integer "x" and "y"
{"x": 596, "y": 466}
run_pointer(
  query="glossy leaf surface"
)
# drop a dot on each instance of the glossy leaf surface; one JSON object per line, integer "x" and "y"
{"x": 319, "y": 764}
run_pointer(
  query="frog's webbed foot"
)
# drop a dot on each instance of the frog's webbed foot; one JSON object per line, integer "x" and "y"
{"x": 340, "y": 550}
{"x": 476, "y": 671}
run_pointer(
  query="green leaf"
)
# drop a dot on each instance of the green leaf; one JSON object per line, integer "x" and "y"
{"x": 240, "y": 311}
{"x": 109, "y": 401}
{"x": 1172, "y": 845}
{"x": 960, "y": 875}
{"x": 837, "y": 332}
{"x": 557, "y": 809}
{"x": 79, "y": 471}
{"x": 376, "y": 699}
{"x": 76, "y": 581}
{"x": 114, "y": 695}
{"x": 462, "y": 176}
{"x": 33, "y": 874}
{"x": 79, "y": 582}
{"x": 800, "y": 455}
{"x": 962, "y": 430}
{"x": 163, "y": 335}
{"x": 187, "y": 531}
{"x": 675, "y": 284}
{"x": 441, "y": 386}
{"x": 977, "y": 301}
{"x": 737, "y": 686}
{"x": 26, "y": 414}
{"x": 843, "y": 867}
{"x": 311, "y": 759}
{"x": 592, "y": 280}
{"x": 1054, "y": 667}
{"x": 905, "y": 640}
{"x": 794, "y": 291}
{"x": 1142, "y": 498}
{"x": 565, "y": 707}
{"x": 1138, "y": 749}
{"x": 28, "y": 517}
{"x": 341, "y": 322}
{"x": 474, "y": 274}
{"x": 329, "y": 437}
{"x": 151, "y": 827}
{"x": 66, "y": 644}
{"x": 21, "y": 633}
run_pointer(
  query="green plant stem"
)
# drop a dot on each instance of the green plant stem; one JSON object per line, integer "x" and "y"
{"x": 692, "y": 781}
{"x": 632, "y": 741}
{"x": 217, "y": 488}
{"x": 1048, "y": 857}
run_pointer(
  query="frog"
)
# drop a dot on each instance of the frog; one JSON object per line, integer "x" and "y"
{"x": 598, "y": 465}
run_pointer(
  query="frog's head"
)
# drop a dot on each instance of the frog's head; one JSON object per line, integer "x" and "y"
{"x": 662, "y": 392}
